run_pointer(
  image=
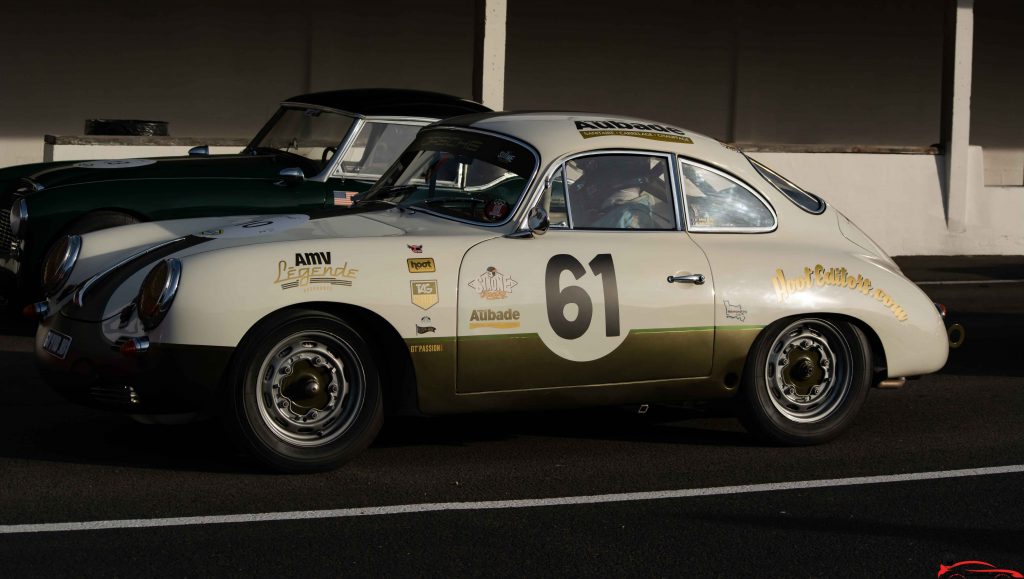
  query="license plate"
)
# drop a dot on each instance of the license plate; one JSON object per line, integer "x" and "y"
{"x": 57, "y": 344}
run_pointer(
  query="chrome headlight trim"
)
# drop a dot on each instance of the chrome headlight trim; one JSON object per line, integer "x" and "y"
{"x": 72, "y": 249}
{"x": 169, "y": 288}
{"x": 19, "y": 217}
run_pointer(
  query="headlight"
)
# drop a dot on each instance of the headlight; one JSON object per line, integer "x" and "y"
{"x": 157, "y": 292}
{"x": 19, "y": 217}
{"x": 59, "y": 263}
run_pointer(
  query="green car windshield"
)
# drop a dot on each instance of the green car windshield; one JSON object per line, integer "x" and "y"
{"x": 459, "y": 174}
{"x": 311, "y": 133}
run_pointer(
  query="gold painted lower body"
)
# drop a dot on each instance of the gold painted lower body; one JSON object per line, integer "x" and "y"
{"x": 647, "y": 370}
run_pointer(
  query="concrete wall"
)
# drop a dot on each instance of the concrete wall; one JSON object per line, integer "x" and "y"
{"x": 997, "y": 118}
{"x": 212, "y": 68}
{"x": 787, "y": 71}
{"x": 776, "y": 71}
{"x": 897, "y": 201}
{"x": 761, "y": 71}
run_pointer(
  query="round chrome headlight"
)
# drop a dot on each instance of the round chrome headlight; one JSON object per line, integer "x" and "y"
{"x": 59, "y": 263}
{"x": 158, "y": 291}
{"x": 19, "y": 217}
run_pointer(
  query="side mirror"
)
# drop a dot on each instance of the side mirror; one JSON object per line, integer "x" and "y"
{"x": 538, "y": 221}
{"x": 200, "y": 151}
{"x": 290, "y": 176}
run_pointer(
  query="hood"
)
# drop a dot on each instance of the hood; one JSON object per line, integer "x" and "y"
{"x": 105, "y": 248}
{"x": 110, "y": 257}
{"x": 113, "y": 261}
{"x": 51, "y": 175}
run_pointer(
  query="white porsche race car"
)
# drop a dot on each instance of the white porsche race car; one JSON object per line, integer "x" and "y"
{"x": 505, "y": 261}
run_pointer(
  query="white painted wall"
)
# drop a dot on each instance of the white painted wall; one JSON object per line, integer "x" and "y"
{"x": 897, "y": 200}
{"x": 87, "y": 152}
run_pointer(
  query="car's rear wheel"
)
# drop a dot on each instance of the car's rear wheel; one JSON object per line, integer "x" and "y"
{"x": 805, "y": 380}
{"x": 306, "y": 393}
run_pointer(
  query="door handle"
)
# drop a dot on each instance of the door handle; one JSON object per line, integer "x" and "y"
{"x": 695, "y": 279}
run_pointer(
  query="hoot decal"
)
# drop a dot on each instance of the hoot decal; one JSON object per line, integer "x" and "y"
{"x": 819, "y": 277}
{"x": 314, "y": 272}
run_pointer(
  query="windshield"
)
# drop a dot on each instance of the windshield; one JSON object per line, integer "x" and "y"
{"x": 375, "y": 148}
{"x": 310, "y": 133}
{"x": 458, "y": 174}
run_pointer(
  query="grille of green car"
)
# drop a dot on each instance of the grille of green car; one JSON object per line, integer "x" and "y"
{"x": 8, "y": 244}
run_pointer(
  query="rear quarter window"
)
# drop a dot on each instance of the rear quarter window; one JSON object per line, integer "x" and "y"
{"x": 807, "y": 201}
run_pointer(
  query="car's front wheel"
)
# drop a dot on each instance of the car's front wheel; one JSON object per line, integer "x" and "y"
{"x": 805, "y": 380}
{"x": 306, "y": 393}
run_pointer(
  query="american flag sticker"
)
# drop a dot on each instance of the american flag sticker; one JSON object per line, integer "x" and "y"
{"x": 344, "y": 198}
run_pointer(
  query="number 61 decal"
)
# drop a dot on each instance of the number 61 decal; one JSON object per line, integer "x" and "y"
{"x": 558, "y": 297}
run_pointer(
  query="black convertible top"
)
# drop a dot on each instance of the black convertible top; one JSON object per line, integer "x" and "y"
{"x": 374, "y": 102}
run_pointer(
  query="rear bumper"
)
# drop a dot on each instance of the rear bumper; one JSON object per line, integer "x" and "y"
{"x": 168, "y": 378}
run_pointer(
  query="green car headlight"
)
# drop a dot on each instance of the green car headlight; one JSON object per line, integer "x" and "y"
{"x": 158, "y": 291}
{"x": 19, "y": 217}
{"x": 59, "y": 263}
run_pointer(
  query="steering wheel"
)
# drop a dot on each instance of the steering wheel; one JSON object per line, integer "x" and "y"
{"x": 327, "y": 154}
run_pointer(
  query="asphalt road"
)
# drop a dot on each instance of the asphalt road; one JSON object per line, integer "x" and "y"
{"x": 63, "y": 464}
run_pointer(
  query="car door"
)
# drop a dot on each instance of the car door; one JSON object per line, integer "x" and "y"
{"x": 591, "y": 301}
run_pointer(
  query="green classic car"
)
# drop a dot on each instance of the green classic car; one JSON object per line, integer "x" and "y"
{"x": 318, "y": 150}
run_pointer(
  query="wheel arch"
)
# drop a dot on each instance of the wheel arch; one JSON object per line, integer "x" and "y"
{"x": 398, "y": 377}
{"x": 879, "y": 365}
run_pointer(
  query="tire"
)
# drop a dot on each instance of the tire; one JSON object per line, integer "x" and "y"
{"x": 805, "y": 380}
{"x": 304, "y": 394}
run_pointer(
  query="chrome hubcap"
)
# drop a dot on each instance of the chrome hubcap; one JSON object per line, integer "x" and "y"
{"x": 808, "y": 374}
{"x": 310, "y": 388}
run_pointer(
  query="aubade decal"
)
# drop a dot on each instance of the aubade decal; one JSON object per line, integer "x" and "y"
{"x": 606, "y": 128}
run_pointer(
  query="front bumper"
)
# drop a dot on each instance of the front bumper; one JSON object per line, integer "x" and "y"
{"x": 166, "y": 379}
{"x": 11, "y": 291}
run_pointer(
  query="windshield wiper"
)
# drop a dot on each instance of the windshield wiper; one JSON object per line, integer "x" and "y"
{"x": 392, "y": 192}
{"x": 387, "y": 202}
{"x": 448, "y": 199}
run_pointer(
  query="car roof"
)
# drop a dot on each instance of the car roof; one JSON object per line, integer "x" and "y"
{"x": 555, "y": 133}
{"x": 392, "y": 102}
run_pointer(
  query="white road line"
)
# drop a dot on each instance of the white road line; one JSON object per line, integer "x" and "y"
{"x": 510, "y": 504}
{"x": 969, "y": 281}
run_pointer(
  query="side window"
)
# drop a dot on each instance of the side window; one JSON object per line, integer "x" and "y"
{"x": 804, "y": 200}
{"x": 619, "y": 191}
{"x": 554, "y": 200}
{"x": 714, "y": 201}
{"x": 375, "y": 148}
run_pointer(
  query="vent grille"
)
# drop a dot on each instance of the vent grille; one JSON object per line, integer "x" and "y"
{"x": 115, "y": 394}
{"x": 8, "y": 243}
